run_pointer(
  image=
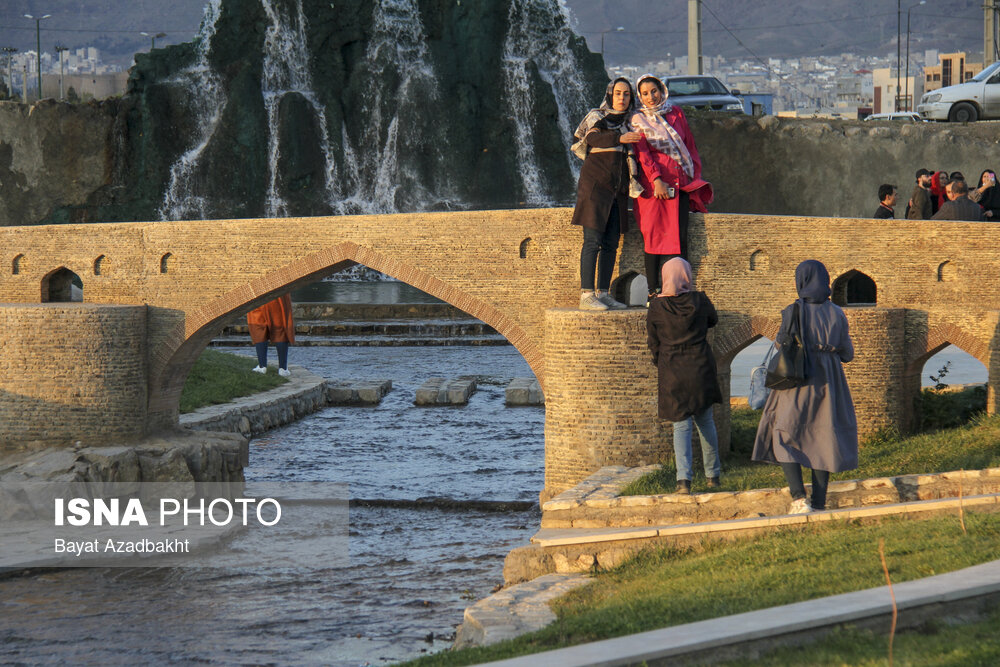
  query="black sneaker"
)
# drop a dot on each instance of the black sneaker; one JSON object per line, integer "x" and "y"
{"x": 714, "y": 482}
{"x": 683, "y": 486}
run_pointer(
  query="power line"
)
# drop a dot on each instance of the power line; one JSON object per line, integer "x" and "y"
{"x": 751, "y": 52}
{"x": 748, "y": 28}
{"x": 136, "y": 31}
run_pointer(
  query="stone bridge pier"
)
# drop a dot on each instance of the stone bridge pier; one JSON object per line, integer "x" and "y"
{"x": 110, "y": 369}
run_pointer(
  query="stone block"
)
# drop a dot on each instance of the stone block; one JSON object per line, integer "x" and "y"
{"x": 441, "y": 391}
{"x": 523, "y": 392}
{"x": 842, "y": 487}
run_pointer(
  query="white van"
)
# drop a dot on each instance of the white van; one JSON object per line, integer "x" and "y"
{"x": 976, "y": 99}
{"x": 905, "y": 116}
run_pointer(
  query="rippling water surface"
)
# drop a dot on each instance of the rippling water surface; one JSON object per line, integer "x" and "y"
{"x": 412, "y": 570}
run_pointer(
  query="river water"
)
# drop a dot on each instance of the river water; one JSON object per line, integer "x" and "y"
{"x": 412, "y": 569}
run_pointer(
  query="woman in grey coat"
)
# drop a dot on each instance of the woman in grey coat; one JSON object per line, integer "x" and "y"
{"x": 812, "y": 425}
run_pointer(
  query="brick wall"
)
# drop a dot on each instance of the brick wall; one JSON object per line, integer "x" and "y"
{"x": 72, "y": 372}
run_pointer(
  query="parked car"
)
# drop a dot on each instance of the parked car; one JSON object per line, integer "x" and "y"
{"x": 904, "y": 116}
{"x": 976, "y": 99}
{"x": 701, "y": 92}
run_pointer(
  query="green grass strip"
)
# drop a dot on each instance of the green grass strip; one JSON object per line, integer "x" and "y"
{"x": 933, "y": 644}
{"x": 666, "y": 587}
{"x": 973, "y": 446}
{"x": 219, "y": 377}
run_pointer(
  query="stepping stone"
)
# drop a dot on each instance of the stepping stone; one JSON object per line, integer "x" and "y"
{"x": 524, "y": 392}
{"x": 364, "y": 392}
{"x": 442, "y": 391}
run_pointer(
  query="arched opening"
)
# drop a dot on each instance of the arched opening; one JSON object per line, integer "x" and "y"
{"x": 451, "y": 475}
{"x": 61, "y": 285}
{"x": 17, "y": 264}
{"x": 946, "y": 271}
{"x": 759, "y": 261}
{"x": 854, "y": 288}
{"x": 527, "y": 246}
{"x": 630, "y": 288}
{"x": 166, "y": 263}
{"x": 952, "y": 387}
{"x": 98, "y": 265}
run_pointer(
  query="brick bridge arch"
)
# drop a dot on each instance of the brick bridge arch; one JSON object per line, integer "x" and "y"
{"x": 204, "y": 322}
{"x": 941, "y": 336}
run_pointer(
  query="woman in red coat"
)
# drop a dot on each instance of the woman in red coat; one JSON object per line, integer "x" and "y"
{"x": 272, "y": 322}
{"x": 670, "y": 175}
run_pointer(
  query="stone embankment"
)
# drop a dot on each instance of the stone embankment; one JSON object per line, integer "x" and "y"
{"x": 304, "y": 394}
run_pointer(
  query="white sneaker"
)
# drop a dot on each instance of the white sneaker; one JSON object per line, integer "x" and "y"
{"x": 284, "y": 372}
{"x": 611, "y": 302}
{"x": 260, "y": 369}
{"x": 589, "y": 301}
{"x": 800, "y": 506}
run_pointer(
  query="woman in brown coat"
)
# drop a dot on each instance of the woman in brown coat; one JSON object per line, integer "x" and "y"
{"x": 603, "y": 141}
{"x": 677, "y": 325}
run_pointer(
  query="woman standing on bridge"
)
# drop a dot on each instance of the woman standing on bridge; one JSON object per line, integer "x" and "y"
{"x": 812, "y": 425}
{"x": 670, "y": 178}
{"x": 604, "y": 144}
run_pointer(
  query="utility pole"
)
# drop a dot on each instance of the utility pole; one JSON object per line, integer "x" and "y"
{"x": 10, "y": 51}
{"x": 899, "y": 20}
{"x": 38, "y": 46}
{"x": 989, "y": 32}
{"x": 62, "y": 71}
{"x": 694, "y": 37}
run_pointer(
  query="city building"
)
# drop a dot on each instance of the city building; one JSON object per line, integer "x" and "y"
{"x": 954, "y": 68}
{"x": 885, "y": 85}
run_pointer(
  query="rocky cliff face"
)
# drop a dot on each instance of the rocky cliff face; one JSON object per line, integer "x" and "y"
{"x": 302, "y": 107}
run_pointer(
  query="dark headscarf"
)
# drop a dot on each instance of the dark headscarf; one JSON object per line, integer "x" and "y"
{"x": 812, "y": 281}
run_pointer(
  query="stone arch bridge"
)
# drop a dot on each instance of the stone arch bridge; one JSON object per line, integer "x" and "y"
{"x": 110, "y": 369}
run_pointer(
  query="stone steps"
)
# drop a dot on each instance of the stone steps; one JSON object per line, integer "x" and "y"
{"x": 397, "y": 327}
{"x": 442, "y": 391}
{"x": 376, "y": 341}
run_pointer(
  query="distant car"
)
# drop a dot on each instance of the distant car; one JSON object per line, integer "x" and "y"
{"x": 976, "y": 99}
{"x": 701, "y": 92}
{"x": 904, "y": 116}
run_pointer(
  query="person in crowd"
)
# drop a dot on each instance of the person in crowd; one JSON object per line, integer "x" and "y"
{"x": 956, "y": 176}
{"x": 887, "y": 195}
{"x": 273, "y": 322}
{"x": 670, "y": 177}
{"x": 920, "y": 207}
{"x": 604, "y": 143}
{"x": 959, "y": 206}
{"x": 812, "y": 425}
{"x": 987, "y": 194}
{"x": 939, "y": 183}
{"x": 677, "y": 325}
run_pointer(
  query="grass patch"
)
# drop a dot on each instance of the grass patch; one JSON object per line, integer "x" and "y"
{"x": 930, "y": 645}
{"x": 219, "y": 377}
{"x": 668, "y": 587}
{"x": 973, "y": 445}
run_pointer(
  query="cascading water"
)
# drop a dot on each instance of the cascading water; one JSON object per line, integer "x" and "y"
{"x": 397, "y": 60}
{"x": 286, "y": 70}
{"x": 539, "y": 32}
{"x": 184, "y": 198}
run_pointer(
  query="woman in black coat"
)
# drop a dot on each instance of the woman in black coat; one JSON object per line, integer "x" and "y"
{"x": 677, "y": 325}
{"x": 602, "y": 140}
{"x": 987, "y": 195}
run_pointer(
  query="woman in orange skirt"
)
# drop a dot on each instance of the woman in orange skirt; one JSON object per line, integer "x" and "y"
{"x": 272, "y": 322}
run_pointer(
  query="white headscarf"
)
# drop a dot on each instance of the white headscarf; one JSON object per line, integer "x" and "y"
{"x": 659, "y": 133}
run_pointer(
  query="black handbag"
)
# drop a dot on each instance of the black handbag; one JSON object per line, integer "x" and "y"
{"x": 787, "y": 368}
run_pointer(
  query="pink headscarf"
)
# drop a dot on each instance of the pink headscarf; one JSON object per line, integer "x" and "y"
{"x": 675, "y": 277}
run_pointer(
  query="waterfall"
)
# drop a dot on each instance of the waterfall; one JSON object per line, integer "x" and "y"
{"x": 539, "y": 31}
{"x": 396, "y": 59}
{"x": 182, "y": 199}
{"x": 286, "y": 70}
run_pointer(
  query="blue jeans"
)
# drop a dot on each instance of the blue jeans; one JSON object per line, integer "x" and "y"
{"x": 709, "y": 445}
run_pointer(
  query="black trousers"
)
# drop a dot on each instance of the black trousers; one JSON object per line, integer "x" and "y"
{"x": 820, "y": 480}
{"x": 599, "y": 251}
{"x": 654, "y": 263}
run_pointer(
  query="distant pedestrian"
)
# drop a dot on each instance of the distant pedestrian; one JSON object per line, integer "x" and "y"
{"x": 813, "y": 425}
{"x": 677, "y": 325}
{"x": 887, "y": 196}
{"x": 987, "y": 194}
{"x": 273, "y": 322}
{"x": 920, "y": 207}
{"x": 959, "y": 206}
{"x": 604, "y": 143}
